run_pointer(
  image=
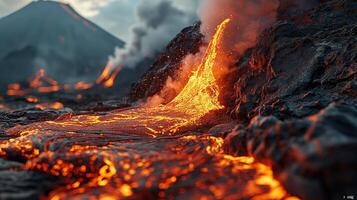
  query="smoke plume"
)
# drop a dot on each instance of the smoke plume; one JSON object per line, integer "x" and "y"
{"x": 249, "y": 19}
{"x": 158, "y": 21}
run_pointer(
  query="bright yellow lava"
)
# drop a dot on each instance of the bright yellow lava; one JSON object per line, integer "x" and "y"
{"x": 200, "y": 95}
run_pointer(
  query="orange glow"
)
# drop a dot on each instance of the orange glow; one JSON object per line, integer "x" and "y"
{"x": 15, "y": 90}
{"x": 144, "y": 151}
{"x": 32, "y": 99}
{"x": 4, "y": 107}
{"x": 44, "y": 84}
{"x": 110, "y": 81}
{"x": 40, "y": 83}
{"x": 36, "y": 82}
{"x": 14, "y": 86}
{"x": 55, "y": 106}
{"x": 53, "y": 88}
{"x": 108, "y": 75}
{"x": 83, "y": 85}
{"x": 105, "y": 73}
{"x": 200, "y": 95}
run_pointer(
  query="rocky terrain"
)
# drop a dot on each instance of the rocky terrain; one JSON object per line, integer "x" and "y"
{"x": 292, "y": 103}
{"x": 294, "y": 98}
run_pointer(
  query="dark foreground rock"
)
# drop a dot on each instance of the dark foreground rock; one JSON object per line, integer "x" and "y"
{"x": 20, "y": 184}
{"x": 314, "y": 157}
{"x": 301, "y": 65}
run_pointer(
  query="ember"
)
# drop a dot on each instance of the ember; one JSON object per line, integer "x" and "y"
{"x": 142, "y": 153}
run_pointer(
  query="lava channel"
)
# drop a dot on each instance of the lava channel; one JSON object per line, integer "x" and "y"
{"x": 142, "y": 152}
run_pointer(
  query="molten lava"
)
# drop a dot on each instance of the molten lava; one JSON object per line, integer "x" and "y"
{"x": 200, "y": 95}
{"x": 54, "y": 105}
{"x": 142, "y": 152}
{"x": 83, "y": 85}
{"x": 108, "y": 76}
{"x": 41, "y": 83}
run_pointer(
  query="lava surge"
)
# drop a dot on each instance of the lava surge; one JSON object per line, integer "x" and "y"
{"x": 142, "y": 153}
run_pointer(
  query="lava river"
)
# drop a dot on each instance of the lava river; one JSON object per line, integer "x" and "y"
{"x": 143, "y": 152}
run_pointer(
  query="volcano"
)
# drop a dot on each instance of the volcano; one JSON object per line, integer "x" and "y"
{"x": 53, "y": 36}
{"x": 282, "y": 126}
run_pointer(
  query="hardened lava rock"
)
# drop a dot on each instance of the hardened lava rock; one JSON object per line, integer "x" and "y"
{"x": 300, "y": 65}
{"x": 314, "y": 157}
{"x": 20, "y": 184}
{"x": 168, "y": 63}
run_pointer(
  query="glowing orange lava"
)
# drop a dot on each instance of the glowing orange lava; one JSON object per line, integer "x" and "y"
{"x": 83, "y": 85}
{"x": 108, "y": 76}
{"x": 54, "y": 105}
{"x": 200, "y": 95}
{"x": 145, "y": 152}
{"x": 40, "y": 83}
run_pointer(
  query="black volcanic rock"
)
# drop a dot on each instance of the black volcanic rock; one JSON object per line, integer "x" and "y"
{"x": 314, "y": 157}
{"x": 20, "y": 184}
{"x": 185, "y": 43}
{"x": 298, "y": 89}
{"x": 52, "y": 35}
{"x": 299, "y": 67}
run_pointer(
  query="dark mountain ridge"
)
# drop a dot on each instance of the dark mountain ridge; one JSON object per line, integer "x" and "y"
{"x": 52, "y": 35}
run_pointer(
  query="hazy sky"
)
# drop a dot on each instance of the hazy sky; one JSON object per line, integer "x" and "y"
{"x": 115, "y": 16}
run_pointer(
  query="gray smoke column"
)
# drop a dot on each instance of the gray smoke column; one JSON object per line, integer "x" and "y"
{"x": 248, "y": 19}
{"x": 158, "y": 21}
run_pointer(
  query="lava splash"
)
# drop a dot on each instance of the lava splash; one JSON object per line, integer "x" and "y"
{"x": 143, "y": 153}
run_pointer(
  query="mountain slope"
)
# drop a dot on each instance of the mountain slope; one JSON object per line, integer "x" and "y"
{"x": 52, "y": 35}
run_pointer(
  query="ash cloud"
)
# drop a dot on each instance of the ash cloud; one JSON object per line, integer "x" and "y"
{"x": 158, "y": 21}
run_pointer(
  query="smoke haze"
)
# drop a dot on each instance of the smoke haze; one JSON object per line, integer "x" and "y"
{"x": 249, "y": 19}
{"x": 158, "y": 21}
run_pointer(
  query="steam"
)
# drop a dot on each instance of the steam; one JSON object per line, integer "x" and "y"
{"x": 249, "y": 19}
{"x": 158, "y": 21}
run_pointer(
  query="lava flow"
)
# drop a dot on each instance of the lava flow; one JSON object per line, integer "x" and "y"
{"x": 142, "y": 152}
{"x": 108, "y": 76}
{"x": 40, "y": 83}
